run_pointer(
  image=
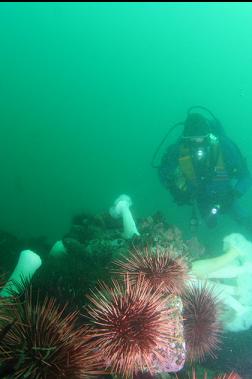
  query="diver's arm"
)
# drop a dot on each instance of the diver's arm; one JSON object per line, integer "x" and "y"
{"x": 171, "y": 176}
{"x": 168, "y": 166}
{"x": 237, "y": 167}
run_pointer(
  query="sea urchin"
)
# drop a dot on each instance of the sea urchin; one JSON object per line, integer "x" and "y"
{"x": 161, "y": 268}
{"x": 201, "y": 321}
{"x": 130, "y": 321}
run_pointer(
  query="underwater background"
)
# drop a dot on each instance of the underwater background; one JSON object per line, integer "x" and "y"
{"x": 87, "y": 93}
{"x": 88, "y": 90}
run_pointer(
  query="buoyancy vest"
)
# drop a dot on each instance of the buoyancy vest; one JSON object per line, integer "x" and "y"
{"x": 214, "y": 165}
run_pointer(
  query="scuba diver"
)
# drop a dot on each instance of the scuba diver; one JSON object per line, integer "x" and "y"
{"x": 205, "y": 169}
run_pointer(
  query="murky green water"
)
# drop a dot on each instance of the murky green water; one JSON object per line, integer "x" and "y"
{"x": 87, "y": 92}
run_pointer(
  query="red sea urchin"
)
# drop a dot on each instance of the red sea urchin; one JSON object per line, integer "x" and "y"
{"x": 130, "y": 322}
{"x": 201, "y": 321}
{"x": 160, "y": 268}
{"x": 44, "y": 342}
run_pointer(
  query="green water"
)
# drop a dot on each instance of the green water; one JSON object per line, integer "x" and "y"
{"x": 88, "y": 90}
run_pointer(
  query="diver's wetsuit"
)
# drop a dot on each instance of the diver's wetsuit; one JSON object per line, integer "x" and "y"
{"x": 213, "y": 184}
